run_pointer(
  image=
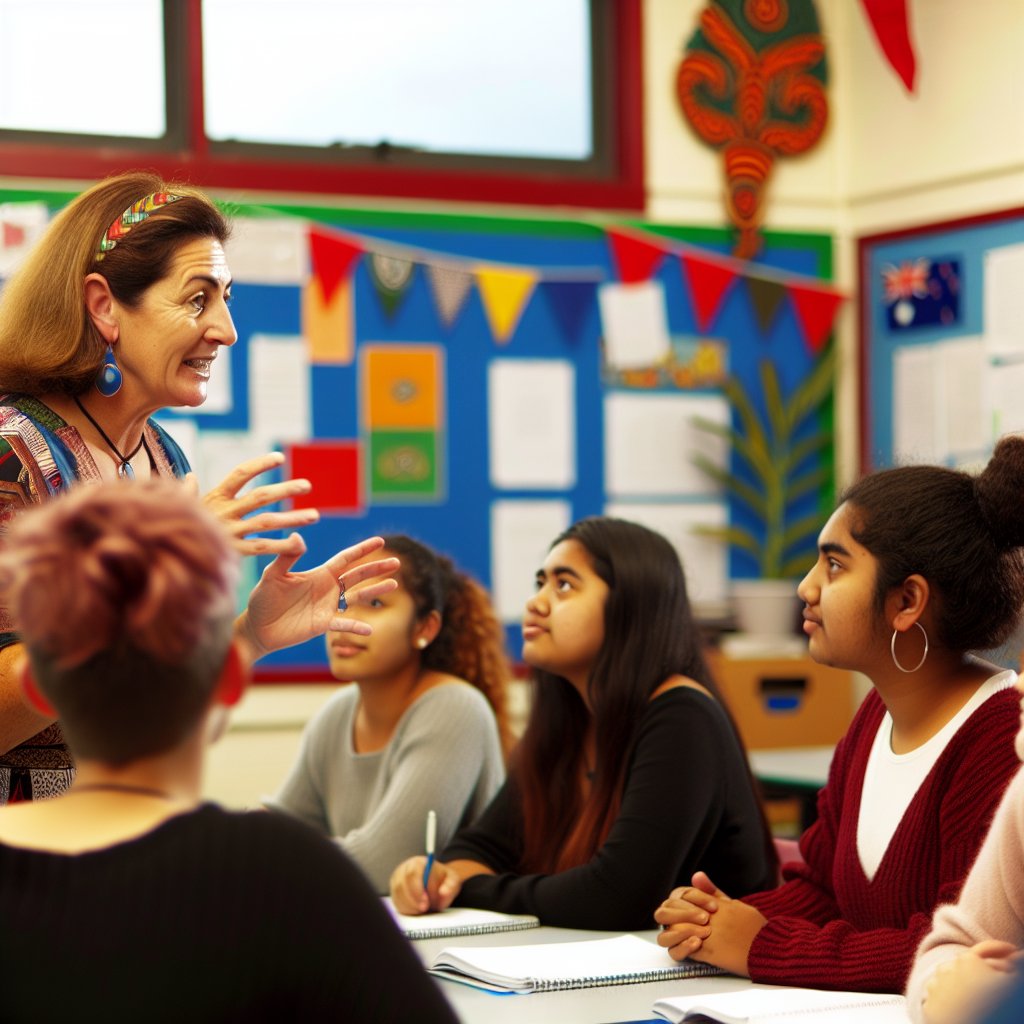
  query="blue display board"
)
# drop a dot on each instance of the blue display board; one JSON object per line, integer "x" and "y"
{"x": 455, "y": 513}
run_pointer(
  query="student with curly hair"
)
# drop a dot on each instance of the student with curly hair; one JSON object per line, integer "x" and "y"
{"x": 422, "y": 729}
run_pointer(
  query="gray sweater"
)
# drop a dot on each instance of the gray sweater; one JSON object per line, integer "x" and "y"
{"x": 445, "y": 756}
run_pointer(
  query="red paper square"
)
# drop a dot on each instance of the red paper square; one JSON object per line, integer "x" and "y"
{"x": 335, "y": 469}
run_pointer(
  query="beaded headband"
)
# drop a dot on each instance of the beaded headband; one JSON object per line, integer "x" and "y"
{"x": 135, "y": 214}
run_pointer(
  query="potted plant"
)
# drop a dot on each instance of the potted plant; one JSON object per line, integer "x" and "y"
{"x": 777, "y": 473}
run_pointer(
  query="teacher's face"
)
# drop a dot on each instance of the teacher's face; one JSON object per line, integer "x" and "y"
{"x": 167, "y": 344}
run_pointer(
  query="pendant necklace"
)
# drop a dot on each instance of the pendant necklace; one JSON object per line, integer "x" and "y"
{"x": 124, "y": 470}
{"x": 121, "y": 787}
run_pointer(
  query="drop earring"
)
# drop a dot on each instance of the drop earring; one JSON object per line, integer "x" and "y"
{"x": 109, "y": 378}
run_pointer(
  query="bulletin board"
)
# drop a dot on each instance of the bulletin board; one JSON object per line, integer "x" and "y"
{"x": 942, "y": 340}
{"x": 481, "y": 383}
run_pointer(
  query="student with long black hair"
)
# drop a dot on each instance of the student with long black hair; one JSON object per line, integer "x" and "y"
{"x": 630, "y": 772}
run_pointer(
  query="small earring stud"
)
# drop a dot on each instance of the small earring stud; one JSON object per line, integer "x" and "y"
{"x": 421, "y": 643}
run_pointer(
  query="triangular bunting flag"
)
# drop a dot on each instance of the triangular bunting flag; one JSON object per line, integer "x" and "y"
{"x": 892, "y": 29}
{"x": 391, "y": 278}
{"x": 709, "y": 281}
{"x": 765, "y": 296}
{"x": 569, "y": 302}
{"x": 331, "y": 258}
{"x": 505, "y": 294}
{"x": 635, "y": 259}
{"x": 816, "y": 309}
{"x": 450, "y": 288}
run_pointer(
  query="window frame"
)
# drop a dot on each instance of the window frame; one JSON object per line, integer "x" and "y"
{"x": 185, "y": 152}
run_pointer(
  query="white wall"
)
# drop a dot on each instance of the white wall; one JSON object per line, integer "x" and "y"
{"x": 888, "y": 159}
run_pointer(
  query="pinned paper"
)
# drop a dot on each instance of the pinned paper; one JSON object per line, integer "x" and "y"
{"x": 634, "y": 324}
{"x": 329, "y": 327}
{"x": 532, "y": 416}
{"x": 268, "y": 250}
{"x": 402, "y": 387}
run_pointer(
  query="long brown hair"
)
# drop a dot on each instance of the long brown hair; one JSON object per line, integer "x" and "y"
{"x": 650, "y": 635}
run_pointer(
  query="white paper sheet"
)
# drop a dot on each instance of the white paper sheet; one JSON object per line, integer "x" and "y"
{"x": 705, "y": 560}
{"x": 650, "y": 441}
{"x": 272, "y": 250}
{"x": 532, "y": 421}
{"x": 634, "y": 323}
{"x": 1004, "y": 399}
{"x": 918, "y": 430}
{"x": 279, "y": 389}
{"x": 1004, "y": 300}
{"x": 521, "y": 533}
{"x": 220, "y": 451}
{"x": 964, "y": 364}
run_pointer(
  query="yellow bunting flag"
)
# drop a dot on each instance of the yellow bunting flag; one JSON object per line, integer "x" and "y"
{"x": 329, "y": 327}
{"x": 505, "y": 294}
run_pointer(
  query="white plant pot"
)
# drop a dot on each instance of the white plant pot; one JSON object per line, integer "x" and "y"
{"x": 766, "y": 608}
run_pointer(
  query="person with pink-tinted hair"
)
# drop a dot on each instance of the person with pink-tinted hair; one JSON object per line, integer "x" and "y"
{"x": 128, "y": 897}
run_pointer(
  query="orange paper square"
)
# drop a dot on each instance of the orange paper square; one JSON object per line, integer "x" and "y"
{"x": 401, "y": 385}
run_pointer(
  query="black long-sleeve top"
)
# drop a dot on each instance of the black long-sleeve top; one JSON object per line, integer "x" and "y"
{"x": 212, "y": 916}
{"x": 688, "y": 804}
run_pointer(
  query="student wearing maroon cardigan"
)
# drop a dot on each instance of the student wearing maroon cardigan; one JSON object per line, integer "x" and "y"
{"x": 918, "y": 566}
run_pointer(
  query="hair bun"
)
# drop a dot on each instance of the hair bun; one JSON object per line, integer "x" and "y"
{"x": 1000, "y": 492}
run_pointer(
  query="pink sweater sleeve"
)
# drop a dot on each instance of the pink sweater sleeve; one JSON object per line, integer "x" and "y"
{"x": 828, "y": 926}
{"x": 991, "y": 905}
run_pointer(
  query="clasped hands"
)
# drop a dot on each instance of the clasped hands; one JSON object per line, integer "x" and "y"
{"x": 962, "y": 989}
{"x": 700, "y": 922}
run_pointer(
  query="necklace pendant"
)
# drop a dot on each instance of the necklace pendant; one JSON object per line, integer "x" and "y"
{"x": 125, "y": 471}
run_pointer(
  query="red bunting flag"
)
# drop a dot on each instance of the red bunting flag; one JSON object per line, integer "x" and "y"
{"x": 709, "y": 281}
{"x": 332, "y": 258}
{"x": 889, "y": 20}
{"x": 635, "y": 258}
{"x": 816, "y": 310}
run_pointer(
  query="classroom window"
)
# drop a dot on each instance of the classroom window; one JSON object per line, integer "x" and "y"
{"x": 63, "y": 60}
{"x": 461, "y": 78}
{"x": 533, "y": 102}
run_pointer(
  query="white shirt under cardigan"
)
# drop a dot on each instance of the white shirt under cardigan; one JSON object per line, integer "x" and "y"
{"x": 892, "y": 780}
{"x": 444, "y": 756}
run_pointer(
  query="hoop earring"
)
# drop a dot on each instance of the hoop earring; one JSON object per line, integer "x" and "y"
{"x": 108, "y": 378}
{"x": 892, "y": 650}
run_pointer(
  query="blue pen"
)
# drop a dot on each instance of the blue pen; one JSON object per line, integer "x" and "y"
{"x": 431, "y": 840}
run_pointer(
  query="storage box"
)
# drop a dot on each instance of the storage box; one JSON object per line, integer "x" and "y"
{"x": 784, "y": 702}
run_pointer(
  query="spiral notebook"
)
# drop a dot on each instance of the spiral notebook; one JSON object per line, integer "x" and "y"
{"x": 458, "y": 921}
{"x": 551, "y": 966}
{"x": 771, "y": 1005}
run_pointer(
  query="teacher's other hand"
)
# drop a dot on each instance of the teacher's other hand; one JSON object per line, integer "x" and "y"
{"x": 234, "y": 509}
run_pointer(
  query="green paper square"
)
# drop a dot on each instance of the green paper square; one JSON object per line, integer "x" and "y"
{"x": 404, "y": 464}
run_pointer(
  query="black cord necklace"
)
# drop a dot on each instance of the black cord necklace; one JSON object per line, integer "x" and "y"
{"x": 121, "y": 787}
{"x": 125, "y": 469}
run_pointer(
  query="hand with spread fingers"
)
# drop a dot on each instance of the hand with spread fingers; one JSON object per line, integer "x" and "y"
{"x": 700, "y": 922}
{"x": 287, "y": 607}
{"x": 233, "y": 509}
